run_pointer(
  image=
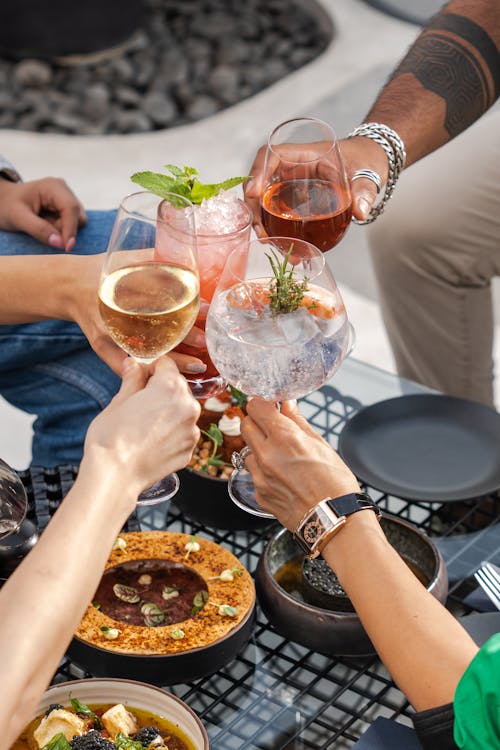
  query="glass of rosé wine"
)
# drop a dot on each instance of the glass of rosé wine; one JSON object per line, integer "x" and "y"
{"x": 149, "y": 286}
{"x": 277, "y": 328}
{"x": 306, "y": 193}
{"x": 223, "y": 224}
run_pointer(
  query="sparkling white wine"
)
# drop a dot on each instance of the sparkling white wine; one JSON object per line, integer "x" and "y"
{"x": 149, "y": 308}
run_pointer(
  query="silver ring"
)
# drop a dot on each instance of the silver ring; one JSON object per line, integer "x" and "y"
{"x": 238, "y": 458}
{"x": 368, "y": 174}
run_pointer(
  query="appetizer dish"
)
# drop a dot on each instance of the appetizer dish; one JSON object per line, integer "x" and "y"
{"x": 167, "y": 593}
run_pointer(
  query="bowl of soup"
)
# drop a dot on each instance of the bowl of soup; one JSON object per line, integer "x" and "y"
{"x": 306, "y": 604}
{"x": 85, "y": 713}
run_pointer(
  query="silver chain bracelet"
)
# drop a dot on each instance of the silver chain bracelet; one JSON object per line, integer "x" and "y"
{"x": 394, "y": 148}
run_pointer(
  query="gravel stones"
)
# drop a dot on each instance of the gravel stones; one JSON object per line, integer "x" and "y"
{"x": 191, "y": 59}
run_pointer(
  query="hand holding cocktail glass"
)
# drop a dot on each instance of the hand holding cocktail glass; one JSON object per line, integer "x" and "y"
{"x": 300, "y": 188}
{"x": 149, "y": 289}
{"x": 277, "y": 328}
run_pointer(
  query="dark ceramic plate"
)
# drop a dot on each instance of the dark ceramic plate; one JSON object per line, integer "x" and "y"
{"x": 425, "y": 447}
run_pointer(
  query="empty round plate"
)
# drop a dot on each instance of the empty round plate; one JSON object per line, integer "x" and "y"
{"x": 425, "y": 447}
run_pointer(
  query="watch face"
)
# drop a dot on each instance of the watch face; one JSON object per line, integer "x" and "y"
{"x": 312, "y": 530}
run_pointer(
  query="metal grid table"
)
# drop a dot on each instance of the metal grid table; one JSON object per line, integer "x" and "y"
{"x": 278, "y": 694}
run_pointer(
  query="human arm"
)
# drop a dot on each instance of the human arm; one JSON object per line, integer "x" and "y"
{"x": 415, "y": 632}
{"x": 47, "y": 209}
{"x": 147, "y": 430}
{"x": 447, "y": 80}
{"x": 64, "y": 287}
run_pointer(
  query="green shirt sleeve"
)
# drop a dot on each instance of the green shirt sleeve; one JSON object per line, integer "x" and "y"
{"x": 477, "y": 700}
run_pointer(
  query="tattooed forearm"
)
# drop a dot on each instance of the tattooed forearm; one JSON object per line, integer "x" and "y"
{"x": 458, "y": 61}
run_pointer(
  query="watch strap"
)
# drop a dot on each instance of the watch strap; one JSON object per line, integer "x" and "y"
{"x": 346, "y": 505}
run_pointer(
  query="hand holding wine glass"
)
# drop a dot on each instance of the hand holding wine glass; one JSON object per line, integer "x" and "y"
{"x": 302, "y": 188}
{"x": 149, "y": 289}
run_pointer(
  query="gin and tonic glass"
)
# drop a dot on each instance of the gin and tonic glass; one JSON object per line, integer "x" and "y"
{"x": 265, "y": 346}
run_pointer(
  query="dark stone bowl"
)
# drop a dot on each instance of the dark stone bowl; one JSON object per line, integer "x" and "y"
{"x": 335, "y": 632}
{"x": 205, "y": 500}
{"x": 163, "y": 669}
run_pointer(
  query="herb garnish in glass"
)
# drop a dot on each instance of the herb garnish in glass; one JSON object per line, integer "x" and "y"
{"x": 223, "y": 222}
{"x": 277, "y": 328}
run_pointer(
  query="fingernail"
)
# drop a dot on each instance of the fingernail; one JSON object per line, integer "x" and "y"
{"x": 70, "y": 244}
{"x": 198, "y": 339}
{"x": 364, "y": 207}
{"x": 55, "y": 240}
{"x": 196, "y": 367}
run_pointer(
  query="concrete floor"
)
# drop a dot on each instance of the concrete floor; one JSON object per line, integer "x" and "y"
{"x": 338, "y": 87}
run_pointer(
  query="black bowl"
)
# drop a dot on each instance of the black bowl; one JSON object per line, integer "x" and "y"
{"x": 336, "y": 633}
{"x": 163, "y": 669}
{"x": 205, "y": 500}
{"x": 143, "y": 653}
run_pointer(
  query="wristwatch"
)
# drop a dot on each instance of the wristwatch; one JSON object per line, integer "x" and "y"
{"x": 325, "y": 519}
{"x": 8, "y": 171}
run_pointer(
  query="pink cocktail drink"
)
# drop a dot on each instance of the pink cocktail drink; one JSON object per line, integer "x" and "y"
{"x": 223, "y": 224}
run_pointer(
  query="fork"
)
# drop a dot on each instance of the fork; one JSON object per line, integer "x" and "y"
{"x": 488, "y": 577}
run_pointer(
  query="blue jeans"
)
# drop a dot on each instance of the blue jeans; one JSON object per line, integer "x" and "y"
{"x": 49, "y": 369}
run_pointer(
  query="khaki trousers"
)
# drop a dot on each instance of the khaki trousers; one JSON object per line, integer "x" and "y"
{"x": 436, "y": 250}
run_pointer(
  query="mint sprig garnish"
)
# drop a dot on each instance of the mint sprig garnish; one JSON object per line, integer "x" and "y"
{"x": 184, "y": 182}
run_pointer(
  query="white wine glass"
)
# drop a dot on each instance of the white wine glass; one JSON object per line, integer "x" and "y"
{"x": 277, "y": 341}
{"x": 149, "y": 287}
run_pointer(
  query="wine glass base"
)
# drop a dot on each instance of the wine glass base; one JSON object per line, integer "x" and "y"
{"x": 242, "y": 492}
{"x": 160, "y": 492}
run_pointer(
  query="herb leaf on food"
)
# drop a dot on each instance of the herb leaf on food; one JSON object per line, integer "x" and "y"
{"x": 125, "y": 743}
{"x": 81, "y": 708}
{"x": 214, "y": 434}
{"x": 57, "y": 742}
{"x": 216, "y": 461}
{"x": 238, "y": 398}
{"x": 199, "y": 601}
